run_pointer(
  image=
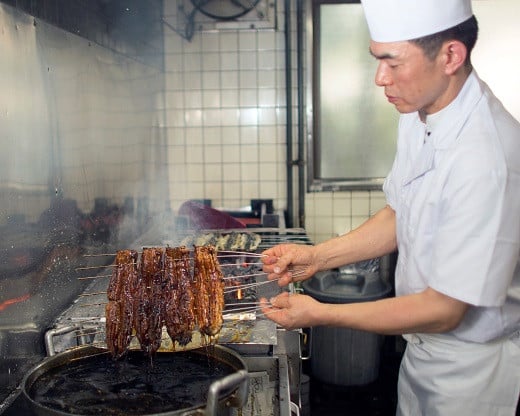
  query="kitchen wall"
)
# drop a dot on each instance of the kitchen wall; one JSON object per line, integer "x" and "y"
{"x": 222, "y": 121}
{"x": 225, "y": 118}
{"x": 81, "y": 168}
{"x": 78, "y": 113}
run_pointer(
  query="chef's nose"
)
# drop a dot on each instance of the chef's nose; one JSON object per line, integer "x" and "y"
{"x": 382, "y": 77}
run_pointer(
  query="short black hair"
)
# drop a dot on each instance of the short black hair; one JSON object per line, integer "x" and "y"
{"x": 465, "y": 32}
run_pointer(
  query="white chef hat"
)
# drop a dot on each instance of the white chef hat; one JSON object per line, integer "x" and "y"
{"x": 398, "y": 20}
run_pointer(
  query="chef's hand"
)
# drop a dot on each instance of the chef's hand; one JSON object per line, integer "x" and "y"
{"x": 292, "y": 311}
{"x": 289, "y": 263}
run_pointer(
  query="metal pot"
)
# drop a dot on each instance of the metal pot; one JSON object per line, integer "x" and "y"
{"x": 86, "y": 380}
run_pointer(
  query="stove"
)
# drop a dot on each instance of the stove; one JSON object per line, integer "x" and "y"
{"x": 273, "y": 355}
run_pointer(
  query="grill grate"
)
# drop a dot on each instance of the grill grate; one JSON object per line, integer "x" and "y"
{"x": 84, "y": 322}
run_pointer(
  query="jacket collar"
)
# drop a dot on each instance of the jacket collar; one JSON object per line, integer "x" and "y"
{"x": 443, "y": 128}
{"x": 445, "y": 125}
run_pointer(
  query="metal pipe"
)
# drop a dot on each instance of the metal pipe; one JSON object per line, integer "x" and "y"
{"x": 301, "y": 154}
{"x": 288, "y": 100}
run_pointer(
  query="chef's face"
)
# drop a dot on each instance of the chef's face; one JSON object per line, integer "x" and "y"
{"x": 412, "y": 82}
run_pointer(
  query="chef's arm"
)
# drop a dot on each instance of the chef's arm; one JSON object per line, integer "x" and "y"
{"x": 288, "y": 263}
{"x": 374, "y": 238}
{"x": 427, "y": 312}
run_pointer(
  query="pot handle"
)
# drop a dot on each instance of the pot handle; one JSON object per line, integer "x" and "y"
{"x": 306, "y": 339}
{"x": 51, "y": 333}
{"x": 239, "y": 379}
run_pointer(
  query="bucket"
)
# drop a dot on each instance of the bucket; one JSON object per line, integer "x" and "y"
{"x": 343, "y": 356}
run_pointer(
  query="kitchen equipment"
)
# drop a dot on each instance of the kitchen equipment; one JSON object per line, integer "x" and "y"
{"x": 202, "y": 216}
{"x": 87, "y": 381}
{"x": 272, "y": 355}
{"x": 224, "y": 9}
{"x": 342, "y": 356}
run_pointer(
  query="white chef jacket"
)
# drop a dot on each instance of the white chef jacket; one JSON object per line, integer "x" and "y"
{"x": 455, "y": 189}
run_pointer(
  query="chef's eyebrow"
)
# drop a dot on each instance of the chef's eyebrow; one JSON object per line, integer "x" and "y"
{"x": 386, "y": 55}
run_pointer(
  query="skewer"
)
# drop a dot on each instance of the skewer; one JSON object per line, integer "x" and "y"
{"x": 242, "y": 303}
{"x": 297, "y": 274}
{"x": 244, "y": 276}
{"x": 245, "y": 309}
{"x": 92, "y": 304}
{"x": 264, "y": 314}
{"x": 247, "y": 286}
{"x": 225, "y": 277}
{"x": 94, "y": 277}
{"x": 83, "y": 320}
{"x": 115, "y": 265}
{"x": 93, "y": 294}
{"x": 230, "y": 253}
{"x": 235, "y": 253}
{"x": 242, "y": 286}
{"x": 98, "y": 267}
{"x": 293, "y": 273}
{"x": 101, "y": 319}
{"x": 241, "y": 264}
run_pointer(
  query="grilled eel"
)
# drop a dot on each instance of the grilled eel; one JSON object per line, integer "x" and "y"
{"x": 178, "y": 312}
{"x": 148, "y": 318}
{"x": 208, "y": 290}
{"x": 119, "y": 310}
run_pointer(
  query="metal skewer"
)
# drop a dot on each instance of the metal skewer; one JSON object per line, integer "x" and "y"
{"x": 94, "y": 277}
{"x": 237, "y": 287}
{"x": 93, "y": 294}
{"x": 241, "y": 264}
{"x": 241, "y": 276}
{"x": 248, "y": 285}
{"x": 99, "y": 267}
{"x": 225, "y": 277}
{"x": 235, "y": 253}
{"x": 229, "y": 253}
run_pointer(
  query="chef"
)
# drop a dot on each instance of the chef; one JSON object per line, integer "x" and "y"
{"x": 453, "y": 214}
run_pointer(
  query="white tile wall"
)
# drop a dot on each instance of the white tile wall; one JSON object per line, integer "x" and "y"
{"x": 226, "y": 115}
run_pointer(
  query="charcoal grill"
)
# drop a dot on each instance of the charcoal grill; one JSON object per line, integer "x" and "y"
{"x": 272, "y": 355}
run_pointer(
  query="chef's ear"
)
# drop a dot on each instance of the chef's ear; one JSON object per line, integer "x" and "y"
{"x": 454, "y": 53}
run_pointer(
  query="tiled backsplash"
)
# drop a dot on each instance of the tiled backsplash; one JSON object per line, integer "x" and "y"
{"x": 225, "y": 118}
{"x": 333, "y": 213}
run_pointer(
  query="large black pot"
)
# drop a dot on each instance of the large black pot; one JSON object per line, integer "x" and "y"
{"x": 86, "y": 381}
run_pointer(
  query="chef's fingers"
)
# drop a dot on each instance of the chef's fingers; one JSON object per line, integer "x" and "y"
{"x": 280, "y": 310}
{"x": 277, "y": 269}
{"x": 284, "y": 279}
{"x": 290, "y": 275}
{"x": 269, "y": 310}
{"x": 276, "y": 313}
{"x": 268, "y": 259}
{"x": 280, "y": 301}
{"x": 274, "y": 302}
{"x": 274, "y": 254}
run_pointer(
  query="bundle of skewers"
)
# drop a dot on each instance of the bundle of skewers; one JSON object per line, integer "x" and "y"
{"x": 177, "y": 291}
